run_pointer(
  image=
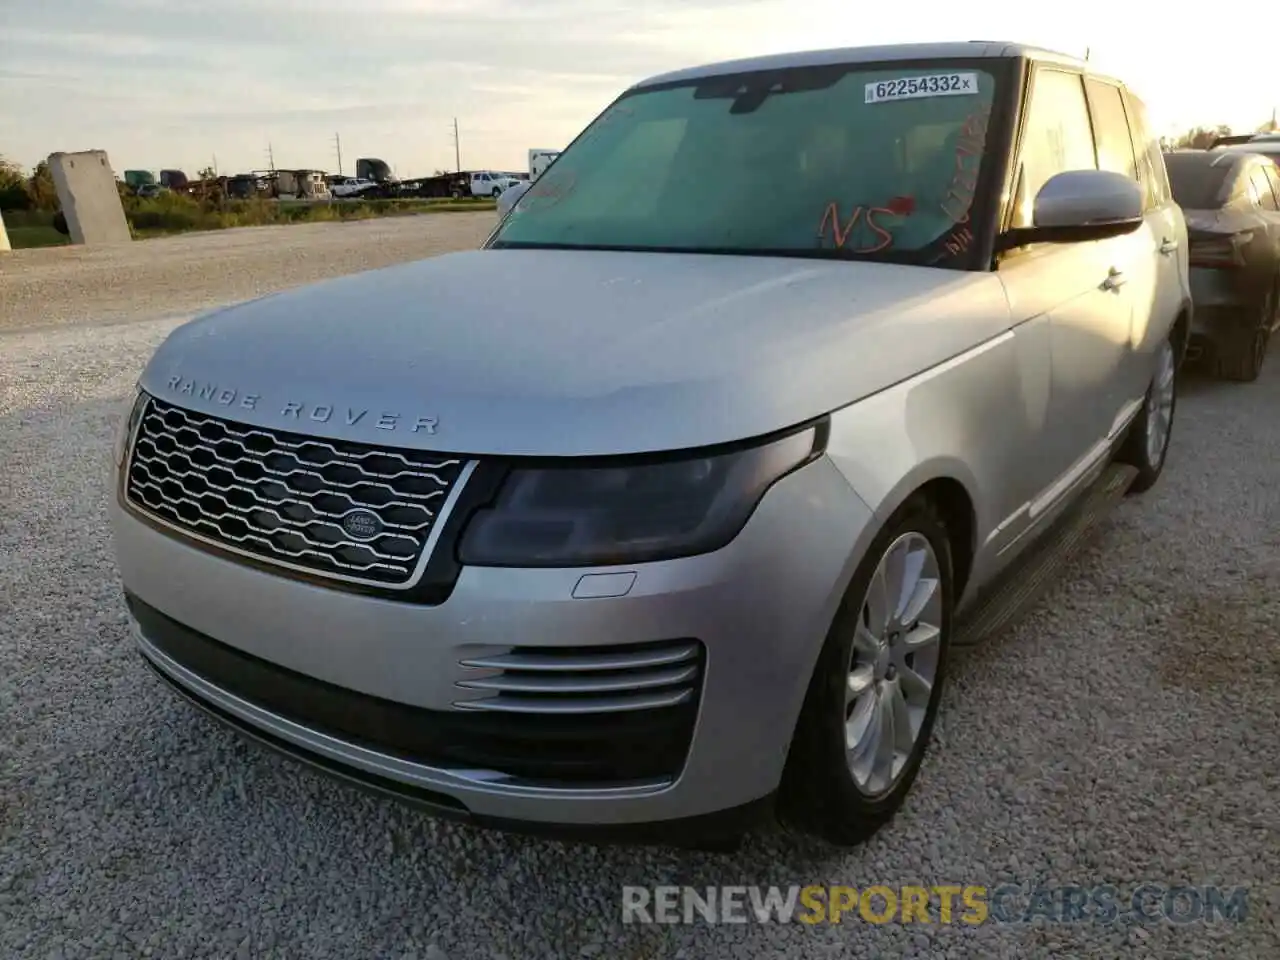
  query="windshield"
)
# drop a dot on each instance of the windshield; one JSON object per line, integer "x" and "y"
{"x": 841, "y": 161}
{"x": 1197, "y": 180}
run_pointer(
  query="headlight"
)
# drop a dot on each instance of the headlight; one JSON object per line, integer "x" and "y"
{"x": 640, "y": 512}
{"x": 130, "y": 413}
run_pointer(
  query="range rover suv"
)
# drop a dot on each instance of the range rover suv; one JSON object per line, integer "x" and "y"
{"x": 657, "y": 513}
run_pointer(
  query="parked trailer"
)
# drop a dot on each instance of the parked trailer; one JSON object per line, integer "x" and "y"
{"x": 371, "y": 168}
{"x": 174, "y": 180}
{"x": 468, "y": 183}
{"x": 445, "y": 185}
{"x": 300, "y": 185}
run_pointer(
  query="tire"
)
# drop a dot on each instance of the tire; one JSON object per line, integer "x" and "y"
{"x": 1140, "y": 450}
{"x": 496, "y": 193}
{"x": 1242, "y": 353}
{"x": 820, "y": 794}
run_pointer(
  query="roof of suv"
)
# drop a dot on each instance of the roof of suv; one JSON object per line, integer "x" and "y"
{"x": 1265, "y": 148}
{"x": 897, "y": 51}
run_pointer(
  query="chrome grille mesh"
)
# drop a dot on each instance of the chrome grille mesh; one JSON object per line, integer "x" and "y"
{"x": 283, "y": 497}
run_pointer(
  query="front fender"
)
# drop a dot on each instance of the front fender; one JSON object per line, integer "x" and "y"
{"x": 970, "y": 421}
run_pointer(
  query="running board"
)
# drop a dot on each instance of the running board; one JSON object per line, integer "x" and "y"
{"x": 1014, "y": 593}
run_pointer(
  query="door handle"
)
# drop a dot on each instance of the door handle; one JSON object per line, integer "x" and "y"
{"x": 1168, "y": 247}
{"x": 1115, "y": 280}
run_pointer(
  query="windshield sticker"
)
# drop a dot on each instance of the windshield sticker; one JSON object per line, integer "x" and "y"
{"x": 902, "y": 206}
{"x": 914, "y": 88}
{"x": 958, "y": 241}
{"x": 958, "y": 203}
{"x": 968, "y": 158}
{"x": 840, "y": 233}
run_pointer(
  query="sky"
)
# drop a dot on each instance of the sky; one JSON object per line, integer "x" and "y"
{"x": 238, "y": 83}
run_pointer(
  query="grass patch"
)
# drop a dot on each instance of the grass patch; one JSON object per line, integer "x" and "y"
{"x": 24, "y": 238}
{"x": 172, "y": 213}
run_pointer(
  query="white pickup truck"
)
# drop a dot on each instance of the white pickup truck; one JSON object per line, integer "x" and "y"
{"x": 352, "y": 186}
{"x": 486, "y": 184}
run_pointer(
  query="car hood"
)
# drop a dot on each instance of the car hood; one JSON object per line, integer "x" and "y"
{"x": 572, "y": 353}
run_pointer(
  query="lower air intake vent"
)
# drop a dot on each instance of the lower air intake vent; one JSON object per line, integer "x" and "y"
{"x": 585, "y": 680}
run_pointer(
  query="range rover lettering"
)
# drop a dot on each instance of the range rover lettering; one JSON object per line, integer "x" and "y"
{"x": 661, "y": 512}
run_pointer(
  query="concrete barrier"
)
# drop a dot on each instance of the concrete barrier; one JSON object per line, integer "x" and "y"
{"x": 89, "y": 198}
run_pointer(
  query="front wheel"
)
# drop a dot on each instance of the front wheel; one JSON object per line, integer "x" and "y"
{"x": 1147, "y": 443}
{"x": 870, "y": 708}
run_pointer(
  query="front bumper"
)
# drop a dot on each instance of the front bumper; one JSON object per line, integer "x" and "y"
{"x": 368, "y": 688}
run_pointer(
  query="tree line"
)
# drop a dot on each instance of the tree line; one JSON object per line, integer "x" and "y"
{"x": 20, "y": 190}
{"x": 1202, "y": 138}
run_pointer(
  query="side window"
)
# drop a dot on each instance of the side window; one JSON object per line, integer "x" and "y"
{"x": 1262, "y": 189}
{"x": 1111, "y": 129}
{"x": 1251, "y": 191}
{"x": 1056, "y": 137}
{"x": 1273, "y": 177}
{"x": 1154, "y": 177}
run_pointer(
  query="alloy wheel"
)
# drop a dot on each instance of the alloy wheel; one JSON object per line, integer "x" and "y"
{"x": 1160, "y": 405}
{"x": 893, "y": 664}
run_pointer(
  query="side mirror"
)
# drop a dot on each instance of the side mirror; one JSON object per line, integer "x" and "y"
{"x": 508, "y": 198}
{"x": 1081, "y": 205}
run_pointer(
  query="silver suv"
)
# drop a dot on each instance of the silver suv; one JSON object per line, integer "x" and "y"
{"x": 662, "y": 510}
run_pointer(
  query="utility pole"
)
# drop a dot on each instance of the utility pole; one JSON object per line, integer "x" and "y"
{"x": 337, "y": 143}
{"x": 215, "y": 164}
{"x": 457, "y": 147}
{"x": 271, "y": 158}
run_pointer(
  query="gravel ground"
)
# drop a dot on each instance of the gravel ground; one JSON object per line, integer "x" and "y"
{"x": 1126, "y": 732}
{"x": 194, "y": 271}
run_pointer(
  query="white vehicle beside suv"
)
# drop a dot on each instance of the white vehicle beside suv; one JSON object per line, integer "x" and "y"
{"x": 352, "y": 186}
{"x": 662, "y": 511}
{"x": 487, "y": 184}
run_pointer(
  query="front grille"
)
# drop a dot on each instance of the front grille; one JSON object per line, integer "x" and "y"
{"x": 584, "y": 680}
{"x": 549, "y": 749}
{"x": 342, "y": 510}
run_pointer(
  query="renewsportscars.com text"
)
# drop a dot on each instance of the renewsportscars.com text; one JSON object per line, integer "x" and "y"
{"x": 969, "y": 904}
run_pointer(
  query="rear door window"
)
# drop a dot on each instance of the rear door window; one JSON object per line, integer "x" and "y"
{"x": 1111, "y": 129}
{"x": 1146, "y": 147}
